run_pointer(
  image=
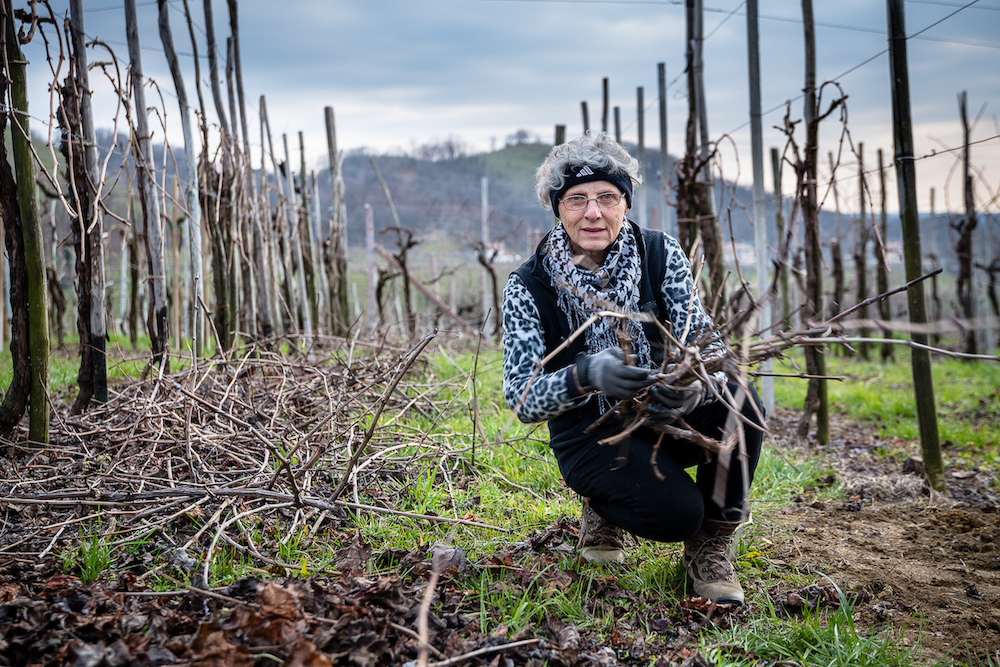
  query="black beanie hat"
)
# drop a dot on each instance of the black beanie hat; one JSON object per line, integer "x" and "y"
{"x": 586, "y": 174}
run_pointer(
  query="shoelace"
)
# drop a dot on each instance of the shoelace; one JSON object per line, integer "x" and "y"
{"x": 713, "y": 555}
{"x": 600, "y": 530}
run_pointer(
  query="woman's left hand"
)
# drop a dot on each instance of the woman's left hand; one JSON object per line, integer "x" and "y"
{"x": 669, "y": 403}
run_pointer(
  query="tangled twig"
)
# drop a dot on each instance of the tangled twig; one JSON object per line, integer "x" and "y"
{"x": 246, "y": 453}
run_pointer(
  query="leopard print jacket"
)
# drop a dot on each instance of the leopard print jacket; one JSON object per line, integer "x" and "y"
{"x": 549, "y": 394}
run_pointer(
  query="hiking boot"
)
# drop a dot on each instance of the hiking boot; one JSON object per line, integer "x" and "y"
{"x": 708, "y": 560}
{"x": 600, "y": 540}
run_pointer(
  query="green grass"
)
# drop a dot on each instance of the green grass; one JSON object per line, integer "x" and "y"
{"x": 230, "y": 564}
{"x": 123, "y": 362}
{"x": 813, "y": 639}
{"x": 523, "y": 606}
{"x": 90, "y": 558}
{"x": 967, "y": 396}
{"x": 502, "y": 472}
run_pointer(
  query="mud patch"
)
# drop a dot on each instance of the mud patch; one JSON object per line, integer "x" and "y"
{"x": 925, "y": 566}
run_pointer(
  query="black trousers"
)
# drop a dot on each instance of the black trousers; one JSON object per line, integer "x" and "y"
{"x": 672, "y": 509}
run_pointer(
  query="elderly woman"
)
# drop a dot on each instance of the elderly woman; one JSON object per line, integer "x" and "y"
{"x": 594, "y": 259}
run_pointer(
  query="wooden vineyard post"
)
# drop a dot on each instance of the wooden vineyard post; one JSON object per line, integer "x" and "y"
{"x": 243, "y": 313}
{"x": 176, "y": 285}
{"x": 266, "y": 245}
{"x": 701, "y": 218}
{"x": 311, "y": 268}
{"x": 373, "y": 312}
{"x": 882, "y": 268}
{"x": 836, "y": 253}
{"x": 259, "y": 273}
{"x": 906, "y": 179}
{"x": 158, "y": 332}
{"x": 322, "y": 284}
{"x": 779, "y": 227}
{"x": 605, "y": 98}
{"x": 641, "y": 156}
{"x": 258, "y": 223}
{"x": 337, "y": 249}
{"x": 759, "y": 202}
{"x": 295, "y": 240}
{"x": 34, "y": 312}
{"x": 193, "y": 213}
{"x": 234, "y": 29}
{"x": 213, "y": 71}
{"x": 861, "y": 253}
{"x": 134, "y": 279}
{"x": 661, "y": 78}
{"x": 288, "y": 291}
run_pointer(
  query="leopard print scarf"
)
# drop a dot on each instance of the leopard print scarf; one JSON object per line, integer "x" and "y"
{"x": 614, "y": 287}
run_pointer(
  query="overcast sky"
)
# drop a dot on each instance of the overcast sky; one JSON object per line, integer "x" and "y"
{"x": 405, "y": 72}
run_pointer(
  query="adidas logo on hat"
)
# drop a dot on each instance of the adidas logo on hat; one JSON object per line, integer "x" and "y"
{"x": 585, "y": 170}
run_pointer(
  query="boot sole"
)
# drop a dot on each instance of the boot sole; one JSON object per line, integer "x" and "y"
{"x": 602, "y": 555}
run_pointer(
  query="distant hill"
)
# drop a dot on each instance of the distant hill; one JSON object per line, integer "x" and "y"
{"x": 441, "y": 196}
{"x": 444, "y": 195}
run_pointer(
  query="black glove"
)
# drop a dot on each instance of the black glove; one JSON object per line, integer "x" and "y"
{"x": 608, "y": 373}
{"x": 669, "y": 403}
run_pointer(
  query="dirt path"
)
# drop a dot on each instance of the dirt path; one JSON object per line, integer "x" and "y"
{"x": 929, "y": 566}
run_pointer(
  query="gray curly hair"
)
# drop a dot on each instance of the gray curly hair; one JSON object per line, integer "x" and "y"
{"x": 596, "y": 149}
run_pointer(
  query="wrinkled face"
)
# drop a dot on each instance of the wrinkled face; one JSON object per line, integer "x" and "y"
{"x": 594, "y": 228}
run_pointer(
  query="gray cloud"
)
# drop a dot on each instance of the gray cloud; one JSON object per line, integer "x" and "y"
{"x": 399, "y": 72}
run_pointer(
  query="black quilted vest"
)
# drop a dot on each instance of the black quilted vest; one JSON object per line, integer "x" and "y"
{"x": 567, "y": 429}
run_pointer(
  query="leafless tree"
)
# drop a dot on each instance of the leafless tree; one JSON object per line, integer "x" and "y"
{"x": 992, "y": 271}
{"x": 696, "y": 215}
{"x": 405, "y": 240}
{"x": 79, "y": 147}
{"x": 486, "y": 256}
{"x": 964, "y": 228}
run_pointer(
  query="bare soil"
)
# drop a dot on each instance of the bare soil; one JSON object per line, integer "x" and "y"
{"x": 927, "y": 566}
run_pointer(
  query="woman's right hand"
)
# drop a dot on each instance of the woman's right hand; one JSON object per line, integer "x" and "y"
{"x": 608, "y": 373}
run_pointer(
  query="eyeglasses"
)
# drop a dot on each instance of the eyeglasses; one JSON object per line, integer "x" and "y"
{"x": 579, "y": 202}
